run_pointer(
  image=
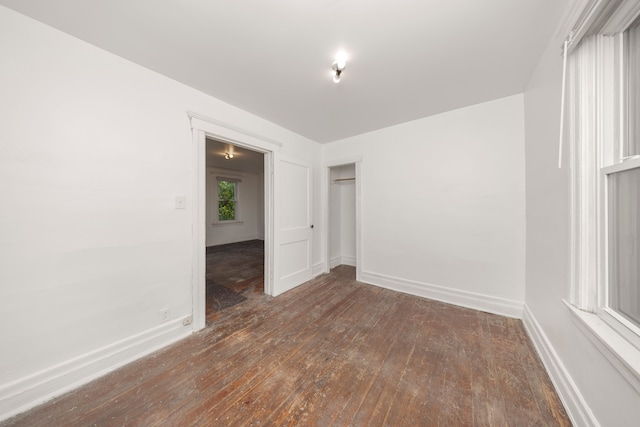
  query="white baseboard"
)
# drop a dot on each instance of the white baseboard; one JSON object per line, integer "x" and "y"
{"x": 317, "y": 269}
{"x": 572, "y": 399}
{"x": 334, "y": 262}
{"x": 348, "y": 260}
{"x": 35, "y": 389}
{"x": 342, "y": 260}
{"x": 490, "y": 304}
{"x": 232, "y": 239}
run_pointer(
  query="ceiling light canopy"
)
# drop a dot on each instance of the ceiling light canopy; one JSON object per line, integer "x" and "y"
{"x": 338, "y": 66}
{"x": 229, "y": 152}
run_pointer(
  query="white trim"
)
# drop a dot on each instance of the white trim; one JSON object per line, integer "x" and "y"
{"x": 236, "y": 239}
{"x": 232, "y": 131}
{"x": 198, "y": 230}
{"x": 596, "y": 136}
{"x": 318, "y": 269}
{"x": 202, "y": 127}
{"x": 232, "y": 135}
{"x": 487, "y": 303}
{"x": 227, "y": 178}
{"x": 623, "y": 355}
{"x": 342, "y": 260}
{"x": 219, "y": 223}
{"x": 588, "y": 15}
{"x": 325, "y": 196}
{"x": 574, "y": 403}
{"x": 334, "y": 262}
{"x": 603, "y": 16}
{"x": 621, "y": 167}
{"x": 623, "y": 17}
{"x": 37, "y": 388}
{"x": 348, "y": 260}
{"x": 583, "y": 178}
{"x": 570, "y": 19}
{"x": 343, "y": 161}
{"x": 269, "y": 214}
{"x": 359, "y": 255}
{"x": 215, "y": 209}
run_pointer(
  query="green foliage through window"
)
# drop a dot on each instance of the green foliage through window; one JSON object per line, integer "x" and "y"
{"x": 226, "y": 200}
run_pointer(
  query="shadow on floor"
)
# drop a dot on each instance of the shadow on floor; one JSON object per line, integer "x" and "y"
{"x": 234, "y": 272}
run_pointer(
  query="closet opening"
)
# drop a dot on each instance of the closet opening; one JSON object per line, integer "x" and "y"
{"x": 343, "y": 203}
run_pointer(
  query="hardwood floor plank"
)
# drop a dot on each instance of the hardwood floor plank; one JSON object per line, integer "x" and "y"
{"x": 287, "y": 346}
{"x": 260, "y": 350}
{"x": 333, "y": 362}
{"x": 358, "y": 364}
{"x": 392, "y": 348}
{"x": 333, "y": 352}
{"x": 333, "y": 390}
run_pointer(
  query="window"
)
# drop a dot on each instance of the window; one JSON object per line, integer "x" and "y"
{"x": 623, "y": 190}
{"x": 604, "y": 127}
{"x": 227, "y": 200}
{"x": 620, "y": 185}
{"x": 632, "y": 80}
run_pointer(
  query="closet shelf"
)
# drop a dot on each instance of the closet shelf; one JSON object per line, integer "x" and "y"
{"x": 344, "y": 179}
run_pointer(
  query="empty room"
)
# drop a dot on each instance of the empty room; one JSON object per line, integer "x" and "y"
{"x": 348, "y": 213}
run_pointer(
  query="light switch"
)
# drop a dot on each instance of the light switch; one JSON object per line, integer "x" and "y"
{"x": 181, "y": 202}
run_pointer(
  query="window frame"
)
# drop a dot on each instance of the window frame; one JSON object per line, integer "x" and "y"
{"x": 615, "y": 320}
{"x": 598, "y": 137}
{"x": 216, "y": 201}
{"x": 612, "y": 142}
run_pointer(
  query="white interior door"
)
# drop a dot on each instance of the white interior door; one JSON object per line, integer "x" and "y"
{"x": 292, "y": 261}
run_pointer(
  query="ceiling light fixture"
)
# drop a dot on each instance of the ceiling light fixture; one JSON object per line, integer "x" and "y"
{"x": 228, "y": 156}
{"x": 338, "y": 66}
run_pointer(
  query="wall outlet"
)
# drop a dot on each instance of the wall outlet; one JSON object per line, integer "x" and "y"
{"x": 164, "y": 315}
{"x": 180, "y": 202}
{"x": 187, "y": 321}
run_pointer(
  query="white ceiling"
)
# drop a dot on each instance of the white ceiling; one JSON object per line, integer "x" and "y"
{"x": 407, "y": 59}
{"x": 243, "y": 160}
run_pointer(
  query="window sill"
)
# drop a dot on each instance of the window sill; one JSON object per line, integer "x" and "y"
{"x": 621, "y": 353}
{"x": 226, "y": 223}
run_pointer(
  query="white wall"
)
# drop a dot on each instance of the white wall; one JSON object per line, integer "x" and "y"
{"x": 250, "y": 211}
{"x": 93, "y": 151}
{"x": 591, "y": 388}
{"x": 443, "y": 205}
{"x": 342, "y": 221}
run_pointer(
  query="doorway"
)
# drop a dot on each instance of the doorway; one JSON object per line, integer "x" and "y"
{"x": 342, "y": 218}
{"x": 343, "y": 195}
{"x": 235, "y": 225}
{"x": 287, "y": 209}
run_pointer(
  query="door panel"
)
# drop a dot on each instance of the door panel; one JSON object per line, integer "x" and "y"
{"x": 294, "y": 258}
{"x": 293, "y": 198}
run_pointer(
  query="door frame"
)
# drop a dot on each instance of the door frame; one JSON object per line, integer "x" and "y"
{"x": 326, "y": 197}
{"x": 201, "y": 128}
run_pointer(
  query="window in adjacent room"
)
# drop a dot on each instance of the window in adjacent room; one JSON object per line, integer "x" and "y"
{"x": 227, "y": 199}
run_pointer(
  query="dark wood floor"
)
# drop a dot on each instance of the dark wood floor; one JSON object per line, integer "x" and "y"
{"x": 331, "y": 352}
{"x": 234, "y": 273}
